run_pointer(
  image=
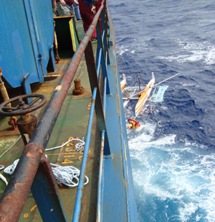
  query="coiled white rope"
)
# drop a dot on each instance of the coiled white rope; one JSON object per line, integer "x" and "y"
{"x": 79, "y": 146}
{"x": 67, "y": 175}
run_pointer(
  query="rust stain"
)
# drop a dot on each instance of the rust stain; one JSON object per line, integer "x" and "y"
{"x": 93, "y": 101}
{"x": 29, "y": 155}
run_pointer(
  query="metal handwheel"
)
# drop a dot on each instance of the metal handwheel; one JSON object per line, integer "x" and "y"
{"x": 22, "y": 108}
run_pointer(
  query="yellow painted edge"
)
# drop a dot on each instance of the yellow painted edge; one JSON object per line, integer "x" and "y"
{"x": 64, "y": 16}
{"x": 72, "y": 34}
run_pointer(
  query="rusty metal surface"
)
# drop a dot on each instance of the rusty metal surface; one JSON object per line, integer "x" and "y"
{"x": 21, "y": 107}
{"x": 79, "y": 89}
{"x": 13, "y": 122}
{"x": 27, "y": 126}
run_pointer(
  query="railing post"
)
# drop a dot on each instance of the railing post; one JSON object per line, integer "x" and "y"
{"x": 104, "y": 27}
{"x": 46, "y": 194}
{"x": 100, "y": 45}
{"x": 91, "y": 67}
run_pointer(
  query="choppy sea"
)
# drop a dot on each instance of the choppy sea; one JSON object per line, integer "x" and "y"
{"x": 173, "y": 152}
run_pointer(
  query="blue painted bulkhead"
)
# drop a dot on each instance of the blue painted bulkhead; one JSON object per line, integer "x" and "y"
{"x": 26, "y": 44}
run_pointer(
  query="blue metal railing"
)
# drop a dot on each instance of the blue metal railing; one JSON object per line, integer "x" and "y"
{"x": 79, "y": 194}
{"x": 101, "y": 62}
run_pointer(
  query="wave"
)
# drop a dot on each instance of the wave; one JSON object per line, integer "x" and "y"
{"x": 174, "y": 177}
{"x": 193, "y": 52}
{"x": 119, "y": 5}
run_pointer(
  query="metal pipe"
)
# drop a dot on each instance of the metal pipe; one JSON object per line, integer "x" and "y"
{"x": 100, "y": 193}
{"x": 99, "y": 63}
{"x": 104, "y": 96}
{"x": 104, "y": 20}
{"x": 3, "y": 88}
{"x": 103, "y": 62}
{"x": 57, "y": 57}
{"x": 6, "y": 97}
{"x": 79, "y": 194}
{"x": 15, "y": 194}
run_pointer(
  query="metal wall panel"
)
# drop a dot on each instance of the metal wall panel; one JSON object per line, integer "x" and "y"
{"x": 26, "y": 39}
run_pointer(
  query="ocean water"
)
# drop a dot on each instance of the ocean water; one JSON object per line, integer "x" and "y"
{"x": 173, "y": 152}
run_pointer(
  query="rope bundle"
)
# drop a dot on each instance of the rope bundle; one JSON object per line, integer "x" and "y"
{"x": 67, "y": 175}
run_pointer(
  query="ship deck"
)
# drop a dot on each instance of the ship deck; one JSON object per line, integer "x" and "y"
{"x": 72, "y": 122}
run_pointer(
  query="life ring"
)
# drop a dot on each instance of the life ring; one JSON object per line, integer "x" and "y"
{"x": 134, "y": 123}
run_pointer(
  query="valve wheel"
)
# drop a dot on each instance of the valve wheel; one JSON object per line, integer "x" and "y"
{"x": 22, "y": 108}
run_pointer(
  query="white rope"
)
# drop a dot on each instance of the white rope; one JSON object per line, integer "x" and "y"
{"x": 11, "y": 168}
{"x": 3, "y": 179}
{"x": 79, "y": 146}
{"x": 67, "y": 175}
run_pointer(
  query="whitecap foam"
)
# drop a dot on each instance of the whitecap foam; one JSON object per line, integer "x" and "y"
{"x": 147, "y": 131}
{"x": 210, "y": 56}
{"x": 187, "y": 210}
{"x": 184, "y": 174}
{"x": 121, "y": 50}
{"x": 145, "y": 140}
{"x": 136, "y": 46}
{"x": 193, "y": 52}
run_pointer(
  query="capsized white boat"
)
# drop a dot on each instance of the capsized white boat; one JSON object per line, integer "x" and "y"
{"x": 123, "y": 82}
{"x": 144, "y": 95}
